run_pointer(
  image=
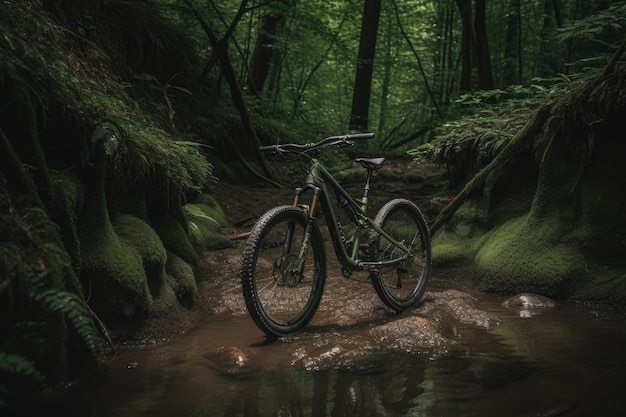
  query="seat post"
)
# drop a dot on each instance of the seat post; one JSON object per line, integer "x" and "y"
{"x": 370, "y": 164}
{"x": 366, "y": 188}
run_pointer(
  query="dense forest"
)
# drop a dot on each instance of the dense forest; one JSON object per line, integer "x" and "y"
{"x": 118, "y": 117}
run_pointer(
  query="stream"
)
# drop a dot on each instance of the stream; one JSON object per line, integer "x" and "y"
{"x": 464, "y": 355}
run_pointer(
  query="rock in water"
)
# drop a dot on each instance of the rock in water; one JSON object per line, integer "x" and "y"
{"x": 231, "y": 361}
{"x": 528, "y": 304}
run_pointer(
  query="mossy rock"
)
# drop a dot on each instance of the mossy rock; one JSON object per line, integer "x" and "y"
{"x": 113, "y": 275}
{"x": 516, "y": 257}
{"x": 176, "y": 240}
{"x": 461, "y": 238}
{"x": 181, "y": 279}
{"x": 166, "y": 303}
{"x": 112, "y": 270}
{"x": 144, "y": 239}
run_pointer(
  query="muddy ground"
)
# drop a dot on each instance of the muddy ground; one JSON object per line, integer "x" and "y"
{"x": 346, "y": 303}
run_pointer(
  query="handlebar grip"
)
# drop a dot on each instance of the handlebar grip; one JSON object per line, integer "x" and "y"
{"x": 360, "y": 136}
{"x": 268, "y": 148}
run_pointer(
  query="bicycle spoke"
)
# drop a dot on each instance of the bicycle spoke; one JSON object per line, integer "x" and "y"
{"x": 402, "y": 284}
{"x": 282, "y": 281}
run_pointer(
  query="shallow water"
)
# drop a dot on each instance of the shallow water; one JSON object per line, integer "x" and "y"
{"x": 566, "y": 362}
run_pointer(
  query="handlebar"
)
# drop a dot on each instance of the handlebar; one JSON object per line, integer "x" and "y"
{"x": 342, "y": 140}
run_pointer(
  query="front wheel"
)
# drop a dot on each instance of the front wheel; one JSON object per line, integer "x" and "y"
{"x": 283, "y": 271}
{"x": 402, "y": 285}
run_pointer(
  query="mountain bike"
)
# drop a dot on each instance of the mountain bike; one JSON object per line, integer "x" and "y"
{"x": 283, "y": 269}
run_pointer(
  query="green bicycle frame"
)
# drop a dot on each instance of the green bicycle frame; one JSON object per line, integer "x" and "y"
{"x": 316, "y": 181}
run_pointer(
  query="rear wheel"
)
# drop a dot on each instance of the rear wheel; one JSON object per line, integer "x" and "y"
{"x": 283, "y": 272}
{"x": 402, "y": 285}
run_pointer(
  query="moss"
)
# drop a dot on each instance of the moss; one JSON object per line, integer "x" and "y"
{"x": 113, "y": 275}
{"x": 450, "y": 246}
{"x": 606, "y": 284}
{"x": 142, "y": 237}
{"x": 111, "y": 270}
{"x": 601, "y": 228}
{"x": 181, "y": 279}
{"x": 176, "y": 240}
{"x": 517, "y": 257}
{"x": 460, "y": 239}
{"x": 166, "y": 303}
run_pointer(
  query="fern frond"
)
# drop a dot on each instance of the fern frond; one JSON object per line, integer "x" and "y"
{"x": 194, "y": 211}
{"x": 110, "y": 136}
{"x": 74, "y": 309}
{"x": 17, "y": 365}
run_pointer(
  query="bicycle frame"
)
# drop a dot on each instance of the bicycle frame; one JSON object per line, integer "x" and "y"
{"x": 316, "y": 181}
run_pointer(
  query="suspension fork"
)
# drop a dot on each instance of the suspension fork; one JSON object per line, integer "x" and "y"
{"x": 309, "y": 212}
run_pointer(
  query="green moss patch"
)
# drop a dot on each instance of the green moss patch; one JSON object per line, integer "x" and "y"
{"x": 518, "y": 257}
{"x": 113, "y": 276}
{"x": 142, "y": 237}
{"x": 176, "y": 240}
{"x": 181, "y": 279}
{"x": 460, "y": 239}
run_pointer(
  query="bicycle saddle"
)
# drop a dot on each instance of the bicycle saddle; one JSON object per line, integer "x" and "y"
{"x": 371, "y": 163}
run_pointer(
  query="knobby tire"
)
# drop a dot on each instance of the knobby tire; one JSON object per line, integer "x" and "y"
{"x": 403, "y": 285}
{"x": 280, "y": 297}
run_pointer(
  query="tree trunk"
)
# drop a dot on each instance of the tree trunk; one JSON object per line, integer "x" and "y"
{"x": 483, "y": 60}
{"x": 364, "y": 67}
{"x": 550, "y": 64}
{"x": 264, "y": 49}
{"x": 384, "y": 99}
{"x": 512, "y": 73}
{"x": 465, "y": 8}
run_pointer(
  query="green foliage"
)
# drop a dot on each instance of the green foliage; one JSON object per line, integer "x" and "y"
{"x": 607, "y": 27}
{"x": 206, "y": 220}
{"x": 17, "y": 371}
{"x": 492, "y": 119}
{"x": 47, "y": 322}
{"x": 109, "y": 135}
{"x": 73, "y": 307}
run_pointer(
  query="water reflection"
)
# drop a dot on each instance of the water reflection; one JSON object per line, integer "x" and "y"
{"x": 568, "y": 362}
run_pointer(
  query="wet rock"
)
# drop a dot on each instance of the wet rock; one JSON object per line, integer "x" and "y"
{"x": 335, "y": 350}
{"x": 529, "y": 304}
{"x": 411, "y": 335}
{"x": 231, "y": 361}
{"x": 454, "y": 305}
{"x": 431, "y": 334}
{"x": 408, "y": 336}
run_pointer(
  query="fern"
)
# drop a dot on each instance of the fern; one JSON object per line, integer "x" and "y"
{"x": 17, "y": 365}
{"x": 194, "y": 211}
{"x": 73, "y": 308}
{"x": 109, "y": 135}
{"x": 597, "y": 27}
